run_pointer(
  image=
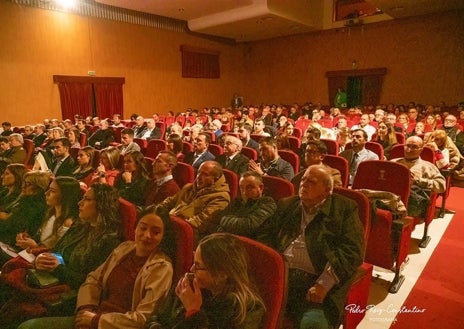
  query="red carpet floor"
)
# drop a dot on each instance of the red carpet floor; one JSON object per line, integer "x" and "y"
{"x": 438, "y": 295}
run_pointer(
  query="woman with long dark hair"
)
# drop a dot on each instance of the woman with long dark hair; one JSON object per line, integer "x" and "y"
{"x": 83, "y": 248}
{"x": 12, "y": 183}
{"x": 134, "y": 180}
{"x": 129, "y": 285}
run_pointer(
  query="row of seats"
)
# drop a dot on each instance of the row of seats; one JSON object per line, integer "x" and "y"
{"x": 272, "y": 284}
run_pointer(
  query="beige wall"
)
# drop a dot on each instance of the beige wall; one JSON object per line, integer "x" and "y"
{"x": 423, "y": 57}
{"x": 36, "y": 44}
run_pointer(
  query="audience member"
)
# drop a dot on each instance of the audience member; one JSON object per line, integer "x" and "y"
{"x": 386, "y": 137}
{"x": 200, "y": 152}
{"x": 358, "y": 153}
{"x": 107, "y": 169}
{"x": 245, "y": 132}
{"x": 124, "y": 290}
{"x": 61, "y": 163}
{"x": 40, "y": 135}
{"x": 176, "y": 146}
{"x": 343, "y": 138}
{"x": 164, "y": 185}
{"x": 127, "y": 142}
{"x": 270, "y": 161}
{"x": 6, "y": 129}
{"x": 73, "y": 135}
{"x": 84, "y": 170}
{"x": 259, "y": 127}
{"x": 200, "y": 202}
{"x": 247, "y": 214}
{"x": 28, "y": 132}
{"x": 322, "y": 239}
{"x": 133, "y": 182}
{"x": 139, "y": 127}
{"x": 221, "y": 294}
{"x": 62, "y": 198}
{"x": 424, "y": 176}
{"x": 117, "y": 123}
{"x": 314, "y": 154}
{"x": 453, "y": 132}
{"x": 85, "y": 246}
{"x": 15, "y": 153}
{"x": 152, "y": 131}
{"x": 364, "y": 125}
{"x": 28, "y": 212}
{"x": 102, "y": 137}
{"x": 12, "y": 183}
{"x": 232, "y": 159}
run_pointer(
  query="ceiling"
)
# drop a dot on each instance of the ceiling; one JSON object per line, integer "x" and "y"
{"x": 252, "y": 20}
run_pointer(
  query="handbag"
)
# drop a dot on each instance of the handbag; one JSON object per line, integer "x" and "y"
{"x": 41, "y": 279}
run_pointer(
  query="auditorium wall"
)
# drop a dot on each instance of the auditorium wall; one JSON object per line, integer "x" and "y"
{"x": 423, "y": 57}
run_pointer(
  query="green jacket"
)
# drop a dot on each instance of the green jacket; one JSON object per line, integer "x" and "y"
{"x": 334, "y": 236}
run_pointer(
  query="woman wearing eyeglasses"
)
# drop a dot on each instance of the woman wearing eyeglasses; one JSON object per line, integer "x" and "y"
{"x": 123, "y": 291}
{"x": 220, "y": 294}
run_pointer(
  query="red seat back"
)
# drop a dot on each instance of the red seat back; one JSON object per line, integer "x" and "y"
{"x": 339, "y": 163}
{"x": 277, "y": 187}
{"x": 292, "y": 158}
{"x": 183, "y": 173}
{"x": 232, "y": 180}
{"x": 269, "y": 271}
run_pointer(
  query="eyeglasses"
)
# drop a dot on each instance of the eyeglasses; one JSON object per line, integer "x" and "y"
{"x": 412, "y": 146}
{"x": 196, "y": 267}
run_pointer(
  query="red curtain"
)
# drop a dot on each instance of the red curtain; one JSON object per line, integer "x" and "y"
{"x": 109, "y": 100}
{"x": 76, "y": 98}
{"x": 79, "y": 94}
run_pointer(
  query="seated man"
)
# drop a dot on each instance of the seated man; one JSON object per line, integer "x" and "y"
{"x": 232, "y": 159}
{"x": 200, "y": 152}
{"x": 322, "y": 238}
{"x": 314, "y": 154}
{"x": 358, "y": 153}
{"x": 246, "y": 215}
{"x": 152, "y": 131}
{"x": 102, "y": 137}
{"x": 424, "y": 175}
{"x": 127, "y": 142}
{"x": 271, "y": 163}
{"x": 200, "y": 202}
{"x": 164, "y": 185}
{"x": 11, "y": 151}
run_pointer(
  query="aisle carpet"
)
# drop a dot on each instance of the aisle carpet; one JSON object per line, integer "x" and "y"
{"x": 437, "y": 298}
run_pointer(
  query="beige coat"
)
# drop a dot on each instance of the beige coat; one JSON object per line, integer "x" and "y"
{"x": 151, "y": 286}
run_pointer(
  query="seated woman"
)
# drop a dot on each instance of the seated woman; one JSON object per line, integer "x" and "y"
{"x": 28, "y": 212}
{"x": 107, "y": 170}
{"x": 62, "y": 199}
{"x": 221, "y": 294}
{"x": 419, "y": 130}
{"x": 84, "y": 170}
{"x": 133, "y": 182}
{"x": 73, "y": 135}
{"x": 175, "y": 145}
{"x": 12, "y": 182}
{"x": 83, "y": 248}
{"x": 129, "y": 285}
{"x": 386, "y": 137}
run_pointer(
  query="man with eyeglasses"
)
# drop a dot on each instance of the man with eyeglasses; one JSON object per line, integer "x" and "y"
{"x": 232, "y": 159}
{"x": 102, "y": 137}
{"x": 424, "y": 175}
{"x": 358, "y": 153}
{"x": 413, "y": 114}
{"x": 314, "y": 154}
{"x": 453, "y": 132}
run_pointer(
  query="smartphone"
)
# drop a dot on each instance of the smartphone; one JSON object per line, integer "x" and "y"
{"x": 59, "y": 257}
{"x": 190, "y": 277}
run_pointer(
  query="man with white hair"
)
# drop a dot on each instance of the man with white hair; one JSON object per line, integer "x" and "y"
{"x": 152, "y": 131}
{"x": 15, "y": 153}
{"x": 453, "y": 132}
{"x": 232, "y": 159}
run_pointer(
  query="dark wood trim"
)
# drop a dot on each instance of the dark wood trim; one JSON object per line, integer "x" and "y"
{"x": 191, "y": 49}
{"x": 356, "y": 73}
{"x": 85, "y": 79}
